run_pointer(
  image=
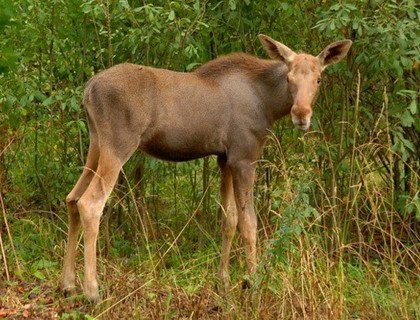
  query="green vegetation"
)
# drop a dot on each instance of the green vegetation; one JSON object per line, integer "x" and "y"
{"x": 338, "y": 207}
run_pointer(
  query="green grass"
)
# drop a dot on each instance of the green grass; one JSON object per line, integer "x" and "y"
{"x": 309, "y": 283}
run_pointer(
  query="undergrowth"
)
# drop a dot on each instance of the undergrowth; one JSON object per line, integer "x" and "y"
{"x": 348, "y": 257}
{"x": 307, "y": 282}
{"x": 338, "y": 208}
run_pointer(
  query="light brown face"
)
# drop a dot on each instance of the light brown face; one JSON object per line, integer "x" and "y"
{"x": 303, "y": 80}
{"x": 304, "y": 74}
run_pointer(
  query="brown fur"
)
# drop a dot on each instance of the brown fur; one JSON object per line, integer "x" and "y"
{"x": 237, "y": 62}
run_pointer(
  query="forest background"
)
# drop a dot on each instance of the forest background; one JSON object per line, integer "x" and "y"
{"x": 338, "y": 208}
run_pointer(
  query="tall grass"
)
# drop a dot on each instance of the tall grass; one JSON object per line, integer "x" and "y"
{"x": 332, "y": 244}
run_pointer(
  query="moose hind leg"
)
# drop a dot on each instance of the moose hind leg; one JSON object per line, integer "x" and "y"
{"x": 90, "y": 206}
{"x": 229, "y": 222}
{"x": 68, "y": 275}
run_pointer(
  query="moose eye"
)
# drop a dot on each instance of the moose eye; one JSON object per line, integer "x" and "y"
{"x": 318, "y": 81}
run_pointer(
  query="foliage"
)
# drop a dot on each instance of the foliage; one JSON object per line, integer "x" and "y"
{"x": 338, "y": 207}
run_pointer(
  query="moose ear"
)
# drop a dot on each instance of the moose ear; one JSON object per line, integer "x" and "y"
{"x": 334, "y": 52}
{"x": 277, "y": 50}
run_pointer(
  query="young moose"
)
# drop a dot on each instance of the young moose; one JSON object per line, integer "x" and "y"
{"x": 224, "y": 108}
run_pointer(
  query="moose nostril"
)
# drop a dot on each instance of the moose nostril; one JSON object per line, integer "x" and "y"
{"x": 301, "y": 112}
{"x": 300, "y": 122}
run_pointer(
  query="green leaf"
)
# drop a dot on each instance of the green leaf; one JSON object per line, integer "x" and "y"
{"x": 43, "y": 264}
{"x": 38, "y": 274}
{"x": 125, "y": 4}
{"x": 407, "y": 119}
{"x": 191, "y": 66}
{"x": 86, "y": 8}
{"x": 408, "y": 144}
{"x": 355, "y": 25}
{"x": 171, "y": 16}
{"x": 47, "y": 102}
{"x": 73, "y": 104}
{"x": 413, "y": 107}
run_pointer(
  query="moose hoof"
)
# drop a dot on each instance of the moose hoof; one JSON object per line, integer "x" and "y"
{"x": 92, "y": 294}
{"x": 68, "y": 291}
{"x": 93, "y": 298}
{"x": 223, "y": 283}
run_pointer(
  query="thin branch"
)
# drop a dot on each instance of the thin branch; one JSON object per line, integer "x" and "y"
{"x": 9, "y": 234}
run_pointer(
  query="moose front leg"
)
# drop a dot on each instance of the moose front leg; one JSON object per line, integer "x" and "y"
{"x": 243, "y": 173}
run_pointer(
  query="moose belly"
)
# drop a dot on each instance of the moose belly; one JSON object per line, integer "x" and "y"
{"x": 179, "y": 145}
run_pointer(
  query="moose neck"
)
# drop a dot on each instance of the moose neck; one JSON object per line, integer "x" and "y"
{"x": 274, "y": 90}
{"x": 267, "y": 77}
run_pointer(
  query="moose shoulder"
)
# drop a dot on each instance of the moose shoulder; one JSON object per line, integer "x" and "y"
{"x": 224, "y": 108}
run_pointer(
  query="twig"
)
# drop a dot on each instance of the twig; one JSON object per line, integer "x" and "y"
{"x": 4, "y": 258}
{"x": 122, "y": 299}
{"x": 9, "y": 234}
